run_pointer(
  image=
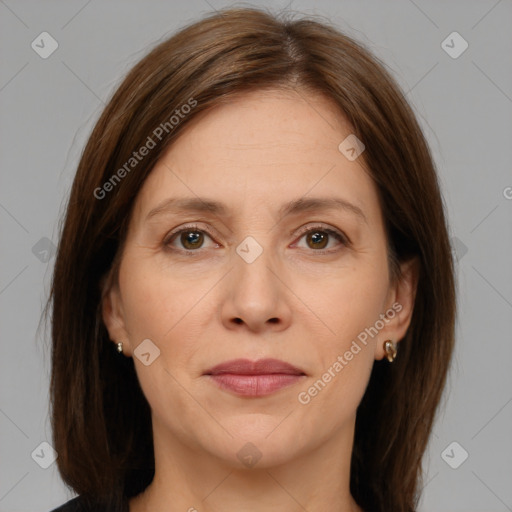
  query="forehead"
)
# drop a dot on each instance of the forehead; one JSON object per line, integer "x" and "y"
{"x": 263, "y": 147}
{"x": 271, "y": 121}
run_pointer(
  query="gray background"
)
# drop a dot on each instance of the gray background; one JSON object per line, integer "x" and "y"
{"x": 48, "y": 107}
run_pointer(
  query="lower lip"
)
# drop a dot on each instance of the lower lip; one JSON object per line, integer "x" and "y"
{"x": 255, "y": 385}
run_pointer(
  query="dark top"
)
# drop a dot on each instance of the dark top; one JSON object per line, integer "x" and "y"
{"x": 81, "y": 504}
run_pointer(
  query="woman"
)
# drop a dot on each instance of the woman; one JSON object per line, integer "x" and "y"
{"x": 253, "y": 297}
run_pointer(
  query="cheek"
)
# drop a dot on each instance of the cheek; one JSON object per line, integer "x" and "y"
{"x": 351, "y": 305}
{"x": 160, "y": 310}
{"x": 345, "y": 361}
{"x": 350, "y": 302}
{"x": 153, "y": 303}
{"x": 166, "y": 310}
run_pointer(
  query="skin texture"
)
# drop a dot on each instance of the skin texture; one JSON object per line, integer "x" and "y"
{"x": 254, "y": 154}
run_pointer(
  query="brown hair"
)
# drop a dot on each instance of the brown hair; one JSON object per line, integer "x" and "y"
{"x": 100, "y": 418}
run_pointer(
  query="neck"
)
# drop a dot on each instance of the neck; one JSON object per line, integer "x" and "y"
{"x": 187, "y": 479}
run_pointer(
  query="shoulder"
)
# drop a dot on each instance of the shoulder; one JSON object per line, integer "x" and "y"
{"x": 72, "y": 505}
{"x": 80, "y": 504}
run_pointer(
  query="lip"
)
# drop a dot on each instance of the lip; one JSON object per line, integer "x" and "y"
{"x": 254, "y": 378}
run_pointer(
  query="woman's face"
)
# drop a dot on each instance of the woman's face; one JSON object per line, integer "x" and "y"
{"x": 281, "y": 255}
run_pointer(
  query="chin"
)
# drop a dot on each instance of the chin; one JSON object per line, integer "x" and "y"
{"x": 260, "y": 445}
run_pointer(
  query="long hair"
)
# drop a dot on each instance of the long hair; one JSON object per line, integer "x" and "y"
{"x": 100, "y": 418}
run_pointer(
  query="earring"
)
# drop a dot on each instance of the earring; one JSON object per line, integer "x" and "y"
{"x": 120, "y": 347}
{"x": 390, "y": 348}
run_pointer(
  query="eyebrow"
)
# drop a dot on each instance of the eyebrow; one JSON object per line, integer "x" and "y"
{"x": 303, "y": 204}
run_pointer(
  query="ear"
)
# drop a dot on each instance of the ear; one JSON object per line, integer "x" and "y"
{"x": 400, "y": 306}
{"x": 113, "y": 316}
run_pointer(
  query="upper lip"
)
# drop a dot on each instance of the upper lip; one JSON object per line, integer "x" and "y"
{"x": 259, "y": 367}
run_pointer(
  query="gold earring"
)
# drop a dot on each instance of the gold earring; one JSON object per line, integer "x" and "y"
{"x": 390, "y": 348}
{"x": 120, "y": 347}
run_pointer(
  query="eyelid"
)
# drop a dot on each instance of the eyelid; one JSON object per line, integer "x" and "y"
{"x": 344, "y": 241}
{"x": 188, "y": 227}
{"x": 326, "y": 228}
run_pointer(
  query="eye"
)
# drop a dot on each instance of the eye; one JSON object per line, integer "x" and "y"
{"x": 318, "y": 238}
{"x": 190, "y": 237}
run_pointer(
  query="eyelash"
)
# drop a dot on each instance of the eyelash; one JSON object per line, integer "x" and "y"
{"x": 331, "y": 232}
{"x": 195, "y": 228}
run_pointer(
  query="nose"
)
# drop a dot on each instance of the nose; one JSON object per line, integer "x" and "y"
{"x": 255, "y": 298}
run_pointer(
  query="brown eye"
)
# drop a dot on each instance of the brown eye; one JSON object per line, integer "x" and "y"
{"x": 191, "y": 239}
{"x": 188, "y": 239}
{"x": 317, "y": 239}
